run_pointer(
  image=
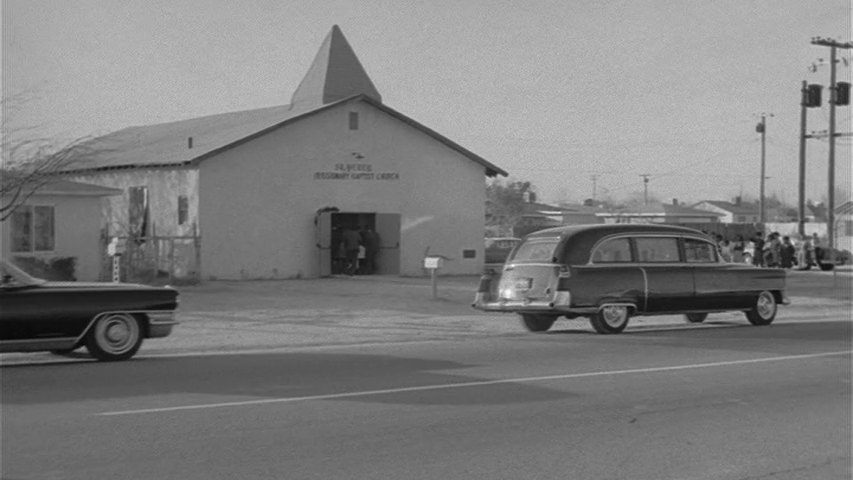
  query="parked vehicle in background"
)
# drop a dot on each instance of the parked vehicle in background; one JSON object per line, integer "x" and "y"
{"x": 610, "y": 272}
{"x": 498, "y": 248}
{"x": 109, "y": 319}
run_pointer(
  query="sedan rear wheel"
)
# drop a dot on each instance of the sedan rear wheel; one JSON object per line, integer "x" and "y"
{"x": 116, "y": 336}
{"x": 764, "y": 310}
{"x": 696, "y": 317}
{"x": 610, "y": 319}
{"x": 537, "y": 323}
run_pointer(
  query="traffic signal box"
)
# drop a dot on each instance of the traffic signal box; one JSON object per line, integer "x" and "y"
{"x": 811, "y": 97}
{"x": 842, "y": 93}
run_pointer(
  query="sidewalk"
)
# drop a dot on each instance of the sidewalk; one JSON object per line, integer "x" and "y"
{"x": 362, "y": 310}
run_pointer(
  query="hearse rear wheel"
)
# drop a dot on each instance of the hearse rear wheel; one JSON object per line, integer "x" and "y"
{"x": 696, "y": 317}
{"x": 537, "y": 322}
{"x": 764, "y": 310}
{"x": 115, "y": 336}
{"x": 610, "y": 319}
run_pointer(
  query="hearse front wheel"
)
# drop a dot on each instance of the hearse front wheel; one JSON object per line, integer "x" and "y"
{"x": 610, "y": 319}
{"x": 115, "y": 336}
{"x": 537, "y": 323}
{"x": 764, "y": 310}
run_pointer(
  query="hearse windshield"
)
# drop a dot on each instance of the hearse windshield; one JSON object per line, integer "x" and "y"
{"x": 536, "y": 250}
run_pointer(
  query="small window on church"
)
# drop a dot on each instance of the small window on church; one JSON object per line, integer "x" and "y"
{"x": 353, "y": 120}
{"x": 183, "y": 209}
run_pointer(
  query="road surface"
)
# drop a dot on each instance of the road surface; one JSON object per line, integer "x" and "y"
{"x": 722, "y": 401}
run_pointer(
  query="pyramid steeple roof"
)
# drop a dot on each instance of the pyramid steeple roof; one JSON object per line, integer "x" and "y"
{"x": 335, "y": 74}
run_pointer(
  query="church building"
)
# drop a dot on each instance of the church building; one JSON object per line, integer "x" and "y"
{"x": 265, "y": 192}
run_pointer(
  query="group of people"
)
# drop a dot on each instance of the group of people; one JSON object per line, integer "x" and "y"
{"x": 773, "y": 251}
{"x": 356, "y": 251}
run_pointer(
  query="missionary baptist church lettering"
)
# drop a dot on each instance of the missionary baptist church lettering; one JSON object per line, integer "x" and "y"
{"x": 355, "y": 171}
{"x": 268, "y": 192}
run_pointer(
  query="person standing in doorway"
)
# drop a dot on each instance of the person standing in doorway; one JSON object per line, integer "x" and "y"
{"x": 351, "y": 241}
{"x": 371, "y": 249}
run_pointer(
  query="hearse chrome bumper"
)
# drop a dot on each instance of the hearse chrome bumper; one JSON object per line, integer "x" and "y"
{"x": 560, "y": 301}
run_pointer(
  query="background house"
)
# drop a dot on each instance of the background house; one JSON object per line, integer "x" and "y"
{"x": 263, "y": 193}
{"x": 730, "y": 212}
{"x": 661, "y": 213}
{"x": 61, "y": 221}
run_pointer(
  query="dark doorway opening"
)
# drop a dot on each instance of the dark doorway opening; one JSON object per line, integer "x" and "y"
{"x": 341, "y": 222}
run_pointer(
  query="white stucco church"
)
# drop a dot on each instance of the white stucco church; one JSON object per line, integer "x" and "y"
{"x": 265, "y": 189}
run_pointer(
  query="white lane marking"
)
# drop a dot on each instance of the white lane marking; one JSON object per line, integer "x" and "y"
{"x": 446, "y": 386}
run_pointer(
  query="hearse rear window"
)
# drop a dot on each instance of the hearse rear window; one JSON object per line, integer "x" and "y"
{"x": 698, "y": 251}
{"x": 657, "y": 249}
{"x": 616, "y": 250}
{"x": 539, "y": 249}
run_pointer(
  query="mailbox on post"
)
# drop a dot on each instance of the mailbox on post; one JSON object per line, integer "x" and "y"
{"x": 433, "y": 263}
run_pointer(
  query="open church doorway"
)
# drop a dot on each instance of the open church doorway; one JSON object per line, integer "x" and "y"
{"x": 330, "y": 228}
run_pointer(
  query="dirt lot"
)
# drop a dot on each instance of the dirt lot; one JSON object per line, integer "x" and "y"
{"x": 229, "y": 316}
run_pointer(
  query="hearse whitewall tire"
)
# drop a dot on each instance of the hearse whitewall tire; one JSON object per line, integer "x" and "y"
{"x": 764, "y": 310}
{"x": 115, "y": 336}
{"x": 611, "y": 319}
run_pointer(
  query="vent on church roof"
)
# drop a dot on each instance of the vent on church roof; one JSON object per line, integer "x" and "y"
{"x": 335, "y": 74}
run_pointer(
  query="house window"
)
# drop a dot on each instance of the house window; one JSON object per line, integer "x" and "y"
{"x": 138, "y": 211}
{"x": 353, "y": 120}
{"x": 32, "y": 229}
{"x": 848, "y": 228}
{"x": 183, "y": 209}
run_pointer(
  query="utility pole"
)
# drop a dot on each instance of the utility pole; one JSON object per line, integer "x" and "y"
{"x": 594, "y": 178}
{"x": 830, "y": 207}
{"x": 801, "y": 201}
{"x": 762, "y": 129}
{"x": 645, "y": 187}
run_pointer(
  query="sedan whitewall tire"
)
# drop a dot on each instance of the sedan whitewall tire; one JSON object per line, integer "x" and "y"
{"x": 115, "y": 336}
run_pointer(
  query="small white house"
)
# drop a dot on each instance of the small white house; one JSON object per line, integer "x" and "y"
{"x": 61, "y": 220}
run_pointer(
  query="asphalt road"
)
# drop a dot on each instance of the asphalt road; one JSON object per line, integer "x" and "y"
{"x": 727, "y": 401}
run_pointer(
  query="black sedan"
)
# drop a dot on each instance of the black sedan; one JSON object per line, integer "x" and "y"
{"x": 109, "y": 319}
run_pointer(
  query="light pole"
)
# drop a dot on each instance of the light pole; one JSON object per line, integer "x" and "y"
{"x": 762, "y": 129}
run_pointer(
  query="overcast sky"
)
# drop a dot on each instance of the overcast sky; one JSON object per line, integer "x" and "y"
{"x": 555, "y": 92}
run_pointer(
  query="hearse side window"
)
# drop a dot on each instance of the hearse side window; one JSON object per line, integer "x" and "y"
{"x": 541, "y": 250}
{"x": 616, "y": 250}
{"x": 698, "y": 251}
{"x": 657, "y": 249}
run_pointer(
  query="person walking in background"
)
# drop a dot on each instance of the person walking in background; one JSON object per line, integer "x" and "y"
{"x": 788, "y": 252}
{"x": 758, "y": 249}
{"x": 738, "y": 247}
{"x": 724, "y": 247}
{"x": 351, "y": 241}
{"x": 370, "y": 240}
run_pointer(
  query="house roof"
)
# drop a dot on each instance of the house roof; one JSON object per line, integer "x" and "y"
{"x": 661, "y": 209}
{"x": 335, "y": 77}
{"x": 731, "y": 207}
{"x": 56, "y": 186}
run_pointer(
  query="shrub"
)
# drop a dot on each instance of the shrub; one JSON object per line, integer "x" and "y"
{"x": 57, "y": 268}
